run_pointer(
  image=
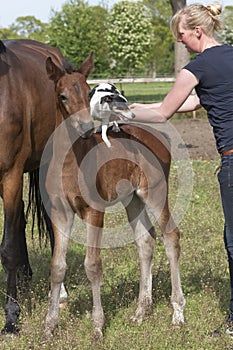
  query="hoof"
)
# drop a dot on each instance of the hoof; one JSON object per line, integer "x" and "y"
{"x": 137, "y": 319}
{"x": 10, "y": 331}
{"x": 178, "y": 315}
{"x": 63, "y": 304}
{"x": 48, "y": 334}
{"x": 178, "y": 320}
{"x": 142, "y": 312}
{"x": 97, "y": 336}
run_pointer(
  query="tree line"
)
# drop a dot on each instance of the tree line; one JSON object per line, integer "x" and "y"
{"x": 129, "y": 39}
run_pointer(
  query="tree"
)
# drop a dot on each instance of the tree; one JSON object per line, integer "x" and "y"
{"x": 129, "y": 37}
{"x": 161, "y": 51}
{"x": 6, "y": 34}
{"x": 160, "y": 9}
{"x": 29, "y": 27}
{"x": 182, "y": 56}
{"x": 227, "y": 33}
{"x": 79, "y": 29}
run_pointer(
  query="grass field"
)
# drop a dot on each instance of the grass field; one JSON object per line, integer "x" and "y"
{"x": 144, "y": 92}
{"x": 204, "y": 277}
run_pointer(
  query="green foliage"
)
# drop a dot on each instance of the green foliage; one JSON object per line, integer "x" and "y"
{"x": 161, "y": 54}
{"x": 29, "y": 27}
{"x": 227, "y": 33}
{"x": 129, "y": 37}
{"x": 162, "y": 50}
{"x": 160, "y": 10}
{"x": 79, "y": 29}
{"x": 7, "y": 33}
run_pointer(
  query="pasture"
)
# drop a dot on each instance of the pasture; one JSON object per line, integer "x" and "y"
{"x": 143, "y": 92}
{"x": 204, "y": 278}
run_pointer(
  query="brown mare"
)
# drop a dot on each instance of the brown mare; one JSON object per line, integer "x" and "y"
{"x": 85, "y": 177}
{"x": 28, "y": 113}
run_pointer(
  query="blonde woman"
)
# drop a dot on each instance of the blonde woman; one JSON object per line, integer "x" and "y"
{"x": 210, "y": 73}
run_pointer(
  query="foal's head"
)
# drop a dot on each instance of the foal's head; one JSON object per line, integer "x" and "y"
{"x": 72, "y": 93}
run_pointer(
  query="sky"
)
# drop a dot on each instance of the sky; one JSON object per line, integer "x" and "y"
{"x": 41, "y": 9}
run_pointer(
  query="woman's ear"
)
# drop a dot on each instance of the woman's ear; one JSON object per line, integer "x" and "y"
{"x": 198, "y": 32}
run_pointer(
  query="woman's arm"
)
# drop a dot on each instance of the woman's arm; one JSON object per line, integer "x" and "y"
{"x": 177, "y": 100}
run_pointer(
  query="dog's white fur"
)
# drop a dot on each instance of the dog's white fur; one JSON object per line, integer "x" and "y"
{"x": 104, "y": 99}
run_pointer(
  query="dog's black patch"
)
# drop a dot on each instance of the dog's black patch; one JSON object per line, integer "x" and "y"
{"x": 112, "y": 89}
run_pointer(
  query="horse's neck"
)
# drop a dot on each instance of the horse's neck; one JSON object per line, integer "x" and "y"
{"x": 61, "y": 141}
{"x": 59, "y": 118}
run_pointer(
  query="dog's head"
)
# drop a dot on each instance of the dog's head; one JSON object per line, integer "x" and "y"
{"x": 106, "y": 101}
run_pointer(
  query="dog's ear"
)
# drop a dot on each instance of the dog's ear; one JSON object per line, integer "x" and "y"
{"x": 91, "y": 93}
{"x": 107, "y": 98}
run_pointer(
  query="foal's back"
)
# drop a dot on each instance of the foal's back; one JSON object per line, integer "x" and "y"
{"x": 137, "y": 161}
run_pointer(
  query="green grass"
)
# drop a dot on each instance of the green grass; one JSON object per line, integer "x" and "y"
{"x": 144, "y": 92}
{"x": 204, "y": 277}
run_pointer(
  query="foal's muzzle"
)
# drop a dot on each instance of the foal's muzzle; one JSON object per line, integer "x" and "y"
{"x": 86, "y": 129}
{"x": 82, "y": 123}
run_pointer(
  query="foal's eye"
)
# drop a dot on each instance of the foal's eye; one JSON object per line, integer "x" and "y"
{"x": 63, "y": 97}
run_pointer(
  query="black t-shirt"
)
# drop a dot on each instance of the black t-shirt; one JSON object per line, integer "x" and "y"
{"x": 214, "y": 70}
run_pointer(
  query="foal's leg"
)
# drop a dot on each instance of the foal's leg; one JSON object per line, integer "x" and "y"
{"x": 145, "y": 241}
{"x": 49, "y": 226}
{"x": 46, "y": 209}
{"x": 171, "y": 238}
{"x": 62, "y": 228}
{"x": 93, "y": 268}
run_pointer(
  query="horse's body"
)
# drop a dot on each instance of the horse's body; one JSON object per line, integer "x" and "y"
{"x": 85, "y": 177}
{"x": 27, "y": 118}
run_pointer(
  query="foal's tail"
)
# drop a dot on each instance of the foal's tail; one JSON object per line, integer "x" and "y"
{"x": 38, "y": 211}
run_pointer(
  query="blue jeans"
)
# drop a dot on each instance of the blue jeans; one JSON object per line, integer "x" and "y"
{"x": 225, "y": 178}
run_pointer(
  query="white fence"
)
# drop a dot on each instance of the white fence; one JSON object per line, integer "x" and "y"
{"x": 131, "y": 80}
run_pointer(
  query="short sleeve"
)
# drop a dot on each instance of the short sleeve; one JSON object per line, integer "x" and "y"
{"x": 197, "y": 67}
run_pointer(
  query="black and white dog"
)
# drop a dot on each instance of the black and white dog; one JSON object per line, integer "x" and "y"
{"x": 108, "y": 105}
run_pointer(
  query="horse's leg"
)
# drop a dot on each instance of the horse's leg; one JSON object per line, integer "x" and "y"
{"x": 24, "y": 271}
{"x": 171, "y": 239}
{"x": 145, "y": 241}
{"x": 11, "y": 244}
{"x": 93, "y": 268}
{"x": 62, "y": 225}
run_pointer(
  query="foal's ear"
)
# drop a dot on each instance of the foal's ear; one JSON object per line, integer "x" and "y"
{"x": 87, "y": 66}
{"x": 54, "y": 72}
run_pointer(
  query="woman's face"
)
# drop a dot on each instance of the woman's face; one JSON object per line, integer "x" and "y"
{"x": 188, "y": 37}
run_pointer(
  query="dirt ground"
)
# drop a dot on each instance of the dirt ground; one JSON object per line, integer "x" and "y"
{"x": 198, "y": 138}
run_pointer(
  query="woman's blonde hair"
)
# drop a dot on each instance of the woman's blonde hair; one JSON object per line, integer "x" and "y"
{"x": 198, "y": 15}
